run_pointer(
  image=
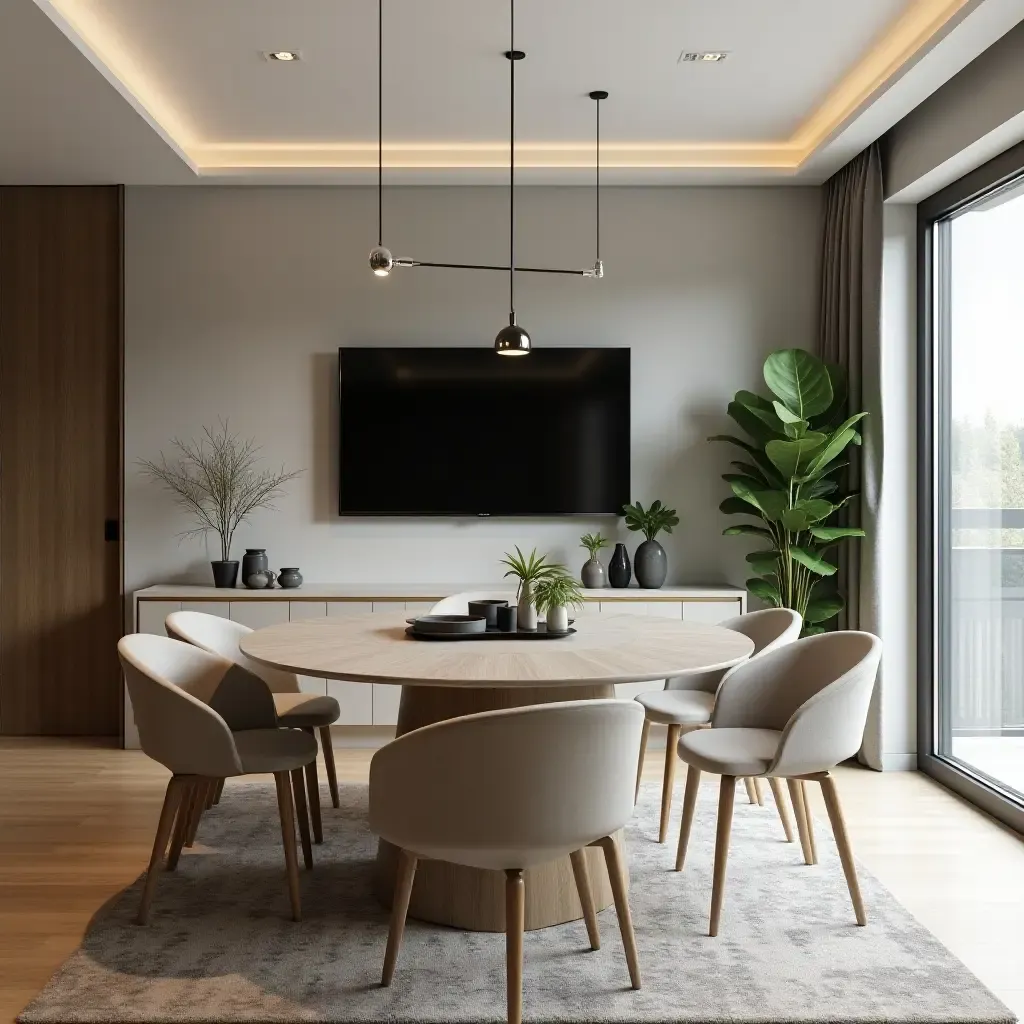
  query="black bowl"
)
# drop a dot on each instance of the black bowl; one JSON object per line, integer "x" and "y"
{"x": 488, "y": 609}
{"x": 450, "y": 624}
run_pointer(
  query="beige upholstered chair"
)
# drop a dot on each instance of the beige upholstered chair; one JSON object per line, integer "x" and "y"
{"x": 206, "y": 719}
{"x": 686, "y": 703}
{"x": 458, "y": 604}
{"x": 505, "y": 790}
{"x": 295, "y": 709}
{"x": 793, "y": 714}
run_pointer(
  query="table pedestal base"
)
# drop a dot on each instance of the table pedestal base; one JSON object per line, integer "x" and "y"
{"x": 471, "y": 898}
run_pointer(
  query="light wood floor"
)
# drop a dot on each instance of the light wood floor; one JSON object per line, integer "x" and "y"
{"x": 77, "y": 821}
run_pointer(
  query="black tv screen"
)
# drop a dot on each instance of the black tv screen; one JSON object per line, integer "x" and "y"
{"x": 463, "y": 431}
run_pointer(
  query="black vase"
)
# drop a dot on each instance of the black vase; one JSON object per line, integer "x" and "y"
{"x": 254, "y": 560}
{"x": 619, "y": 572}
{"x": 225, "y": 574}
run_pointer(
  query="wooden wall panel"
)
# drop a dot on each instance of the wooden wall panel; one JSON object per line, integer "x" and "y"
{"x": 60, "y": 459}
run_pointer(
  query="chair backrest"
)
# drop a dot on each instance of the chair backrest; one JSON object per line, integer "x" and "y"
{"x": 539, "y": 778}
{"x": 458, "y": 604}
{"x": 221, "y": 636}
{"x": 769, "y": 629}
{"x": 815, "y": 691}
{"x": 171, "y": 684}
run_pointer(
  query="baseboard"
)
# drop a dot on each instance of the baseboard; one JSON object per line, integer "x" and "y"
{"x": 899, "y": 762}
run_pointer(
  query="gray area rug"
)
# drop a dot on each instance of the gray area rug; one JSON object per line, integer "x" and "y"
{"x": 220, "y": 947}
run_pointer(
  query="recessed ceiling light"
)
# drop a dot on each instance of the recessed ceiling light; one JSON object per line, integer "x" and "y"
{"x": 284, "y": 55}
{"x": 709, "y": 57}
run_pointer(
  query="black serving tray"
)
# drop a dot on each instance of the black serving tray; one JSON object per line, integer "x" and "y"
{"x": 540, "y": 633}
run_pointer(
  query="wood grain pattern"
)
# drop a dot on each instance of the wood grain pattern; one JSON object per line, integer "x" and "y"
{"x": 605, "y": 649}
{"x": 60, "y": 452}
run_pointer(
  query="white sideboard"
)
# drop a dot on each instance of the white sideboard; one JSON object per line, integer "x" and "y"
{"x": 376, "y": 704}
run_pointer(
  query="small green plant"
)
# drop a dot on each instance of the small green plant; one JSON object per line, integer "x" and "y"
{"x": 557, "y": 591}
{"x": 593, "y": 542}
{"x": 530, "y": 569}
{"x": 650, "y": 522}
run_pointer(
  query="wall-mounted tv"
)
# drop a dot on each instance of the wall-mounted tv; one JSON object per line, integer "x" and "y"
{"x": 463, "y": 431}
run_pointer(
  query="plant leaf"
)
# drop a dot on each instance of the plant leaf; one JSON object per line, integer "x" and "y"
{"x": 747, "y": 529}
{"x": 770, "y": 503}
{"x": 794, "y": 520}
{"x": 765, "y": 563}
{"x": 786, "y": 416}
{"x": 810, "y": 560}
{"x": 831, "y": 450}
{"x": 757, "y": 428}
{"x": 791, "y": 458}
{"x": 820, "y": 609}
{"x": 813, "y": 630}
{"x": 838, "y": 379}
{"x": 800, "y": 380}
{"x": 766, "y": 591}
{"x": 834, "y": 533}
{"x": 736, "y": 506}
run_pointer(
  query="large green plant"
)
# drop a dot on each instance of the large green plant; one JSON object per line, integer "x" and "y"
{"x": 789, "y": 481}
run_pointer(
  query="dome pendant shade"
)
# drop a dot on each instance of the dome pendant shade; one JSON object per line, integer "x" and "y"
{"x": 512, "y": 340}
{"x": 381, "y": 261}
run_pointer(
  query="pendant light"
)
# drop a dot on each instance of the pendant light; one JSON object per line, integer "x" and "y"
{"x": 381, "y": 260}
{"x": 512, "y": 340}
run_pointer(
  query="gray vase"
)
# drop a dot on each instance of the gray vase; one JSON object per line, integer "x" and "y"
{"x": 592, "y": 575}
{"x": 650, "y": 564}
{"x": 290, "y": 579}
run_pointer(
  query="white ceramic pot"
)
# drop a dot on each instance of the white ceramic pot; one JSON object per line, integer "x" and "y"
{"x": 557, "y": 618}
{"x": 527, "y": 613}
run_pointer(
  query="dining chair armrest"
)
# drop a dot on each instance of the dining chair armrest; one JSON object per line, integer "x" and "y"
{"x": 754, "y": 694}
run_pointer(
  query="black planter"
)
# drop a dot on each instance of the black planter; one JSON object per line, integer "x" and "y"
{"x": 619, "y": 572}
{"x": 225, "y": 574}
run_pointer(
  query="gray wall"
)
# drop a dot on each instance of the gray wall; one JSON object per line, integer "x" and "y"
{"x": 238, "y": 298}
{"x": 975, "y": 116}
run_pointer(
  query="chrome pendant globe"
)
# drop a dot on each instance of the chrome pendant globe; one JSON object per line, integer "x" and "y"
{"x": 381, "y": 261}
{"x": 512, "y": 341}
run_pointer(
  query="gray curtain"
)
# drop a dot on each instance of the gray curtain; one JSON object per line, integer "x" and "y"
{"x": 850, "y": 334}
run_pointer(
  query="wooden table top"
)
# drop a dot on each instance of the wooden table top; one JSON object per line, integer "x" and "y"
{"x": 605, "y": 649}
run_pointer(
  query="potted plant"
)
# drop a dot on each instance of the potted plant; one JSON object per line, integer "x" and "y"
{"x": 650, "y": 563}
{"x": 529, "y": 570}
{"x": 592, "y": 573}
{"x": 554, "y": 596}
{"x": 217, "y": 481}
{"x": 789, "y": 482}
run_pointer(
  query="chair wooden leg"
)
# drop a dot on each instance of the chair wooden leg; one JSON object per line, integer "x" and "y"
{"x": 578, "y": 859}
{"x": 780, "y": 805}
{"x": 332, "y": 774}
{"x": 515, "y": 920}
{"x": 291, "y": 860}
{"x": 758, "y": 792}
{"x": 640, "y": 763}
{"x": 172, "y": 797}
{"x": 835, "y": 816}
{"x": 313, "y": 799}
{"x": 181, "y": 822}
{"x": 671, "y": 756}
{"x": 302, "y": 815}
{"x": 399, "y": 910}
{"x": 796, "y": 795}
{"x": 751, "y": 795}
{"x": 689, "y": 806}
{"x": 198, "y": 806}
{"x": 726, "y": 800}
{"x": 809, "y": 818}
{"x": 218, "y": 792}
{"x": 617, "y": 877}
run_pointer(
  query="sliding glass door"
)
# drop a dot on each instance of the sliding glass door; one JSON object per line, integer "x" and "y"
{"x": 973, "y": 520}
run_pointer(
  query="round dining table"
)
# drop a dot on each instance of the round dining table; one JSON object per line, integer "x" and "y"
{"x": 448, "y": 679}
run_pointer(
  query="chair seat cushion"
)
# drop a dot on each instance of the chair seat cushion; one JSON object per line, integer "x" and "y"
{"x": 306, "y": 710}
{"x": 740, "y": 752}
{"x": 274, "y": 750}
{"x": 678, "y": 707}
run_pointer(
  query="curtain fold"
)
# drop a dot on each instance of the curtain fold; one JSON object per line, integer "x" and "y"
{"x": 850, "y": 335}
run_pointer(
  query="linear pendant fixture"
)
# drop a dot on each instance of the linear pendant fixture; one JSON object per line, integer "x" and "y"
{"x": 511, "y": 340}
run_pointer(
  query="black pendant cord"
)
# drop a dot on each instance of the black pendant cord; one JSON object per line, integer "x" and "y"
{"x": 380, "y": 122}
{"x": 512, "y": 167}
{"x": 597, "y": 188}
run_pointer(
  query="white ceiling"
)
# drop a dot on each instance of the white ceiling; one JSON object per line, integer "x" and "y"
{"x": 156, "y": 91}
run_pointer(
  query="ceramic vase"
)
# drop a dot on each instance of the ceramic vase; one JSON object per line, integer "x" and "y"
{"x": 651, "y": 565}
{"x": 619, "y": 573}
{"x": 253, "y": 561}
{"x": 592, "y": 574}
{"x": 289, "y": 579}
{"x": 527, "y": 613}
{"x": 557, "y": 619}
{"x": 225, "y": 573}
